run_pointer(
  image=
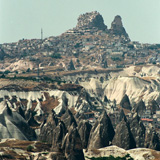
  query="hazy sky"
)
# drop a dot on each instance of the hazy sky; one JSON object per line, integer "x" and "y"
{"x": 25, "y": 18}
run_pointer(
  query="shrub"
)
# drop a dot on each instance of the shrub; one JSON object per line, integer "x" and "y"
{"x": 56, "y": 55}
{"x": 30, "y": 148}
{"x": 6, "y": 72}
{"x": 126, "y": 157}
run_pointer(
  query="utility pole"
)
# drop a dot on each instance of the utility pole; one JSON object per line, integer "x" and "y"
{"x": 41, "y": 34}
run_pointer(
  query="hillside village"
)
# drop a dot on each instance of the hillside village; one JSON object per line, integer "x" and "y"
{"x": 72, "y": 85}
{"x": 101, "y": 47}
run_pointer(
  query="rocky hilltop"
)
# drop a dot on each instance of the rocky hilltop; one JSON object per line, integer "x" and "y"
{"x": 79, "y": 94}
{"x": 89, "y": 45}
{"x": 91, "y": 20}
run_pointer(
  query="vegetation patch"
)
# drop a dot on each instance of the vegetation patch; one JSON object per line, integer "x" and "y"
{"x": 126, "y": 157}
{"x": 30, "y": 148}
{"x": 56, "y": 55}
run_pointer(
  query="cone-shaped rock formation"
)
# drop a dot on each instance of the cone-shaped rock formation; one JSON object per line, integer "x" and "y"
{"x": 84, "y": 129}
{"x": 123, "y": 137}
{"x": 102, "y": 132}
{"x": 72, "y": 145}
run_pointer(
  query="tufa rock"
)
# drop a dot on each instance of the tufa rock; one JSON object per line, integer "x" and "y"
{"x": 21, "y": 112}
{"x": 47, "y": 128}
{"x": 72, "y": 145}
{"x": 13, "y": 125}
{"x": 32, "y": 122}
{"x": 101, "y": 133}
{"x": 84, "y": 129}
{"x": 138, "y": 130}
{"x": 91, "y": 20}
{"x": 122, "y": 116}
{"x": 106, "y": 99}
{"x": 140, "y": 108}
{"x": 152, "y": 140}
{"x": 68, "y": 119}
{"x": 123, "y": 137}
{"x": 125, "y": 103}
{"x": 153, "y": 105}
{"x": 117, "y": 27}
{"x": 58, "y": 136}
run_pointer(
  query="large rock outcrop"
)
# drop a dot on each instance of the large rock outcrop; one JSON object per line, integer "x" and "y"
{"x": 68, "y": 119}
{"x": 102, "y": 132}
{"x": 117, "y": 27}
{"x": 91, "y": 20}
{"x": 84, "y": 129}
{"x": 13, "y": 125}
{"x": 152, "y": 140}
{"x": 72, "y": 145}
{"x": 123, "y": 137}
{"x": 58, "y": 136}
{"x": 47, "y": 128}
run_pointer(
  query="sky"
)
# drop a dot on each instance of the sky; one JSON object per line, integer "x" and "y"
{"x": 24, "y": 18}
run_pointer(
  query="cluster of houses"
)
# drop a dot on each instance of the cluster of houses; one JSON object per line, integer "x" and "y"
{"x": 115, "y": 49}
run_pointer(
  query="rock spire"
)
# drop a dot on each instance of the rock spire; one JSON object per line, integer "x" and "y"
{"x": 117, "y": 27}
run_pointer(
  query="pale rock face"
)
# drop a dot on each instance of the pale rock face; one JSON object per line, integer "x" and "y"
{"x": 20, "y": 65}
{"x": 134, "y": 87}
{"x": 13, "y": 125}
{"x": 136, "y": 154}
